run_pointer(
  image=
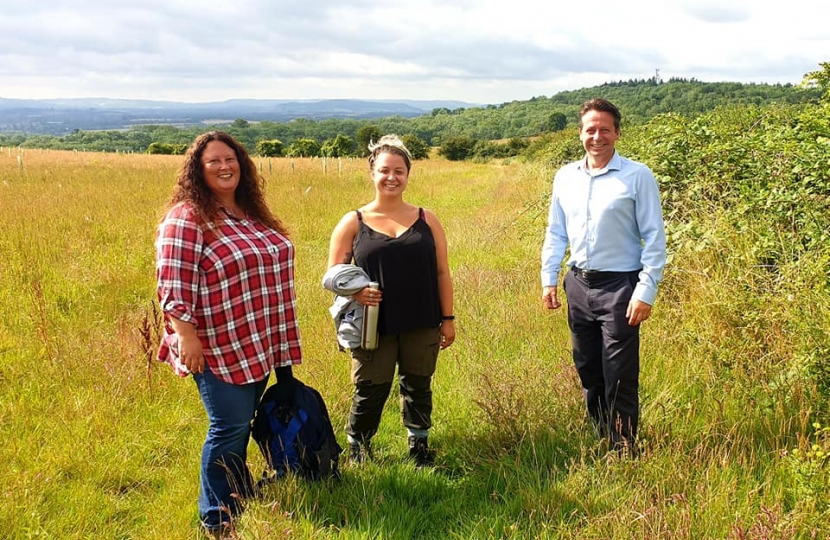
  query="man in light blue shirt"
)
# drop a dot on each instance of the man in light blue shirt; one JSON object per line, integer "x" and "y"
{"x": 607, "y": 209}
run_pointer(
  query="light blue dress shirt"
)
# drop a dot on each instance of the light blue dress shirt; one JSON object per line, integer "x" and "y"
{"x": 613, "y": 221}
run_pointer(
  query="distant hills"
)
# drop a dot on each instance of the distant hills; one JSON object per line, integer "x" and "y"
{"x": 132, "y": 125}
{"x": 61, "y": 116}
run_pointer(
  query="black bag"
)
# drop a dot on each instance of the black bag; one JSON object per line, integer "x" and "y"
{"x": 292, "y": 428}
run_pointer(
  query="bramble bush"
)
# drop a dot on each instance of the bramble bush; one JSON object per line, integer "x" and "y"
{"x": 752, "y": 164}
{"x": 809, "y": 465}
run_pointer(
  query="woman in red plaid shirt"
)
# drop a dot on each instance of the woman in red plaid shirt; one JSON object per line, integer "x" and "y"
{"x": 225, "y": 270}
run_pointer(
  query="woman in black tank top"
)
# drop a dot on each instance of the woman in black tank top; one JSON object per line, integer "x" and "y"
{"x": 404, "y": 249}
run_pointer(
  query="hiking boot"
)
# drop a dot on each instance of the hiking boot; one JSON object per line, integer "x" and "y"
{"x": 223, "y": 532}
{"x": 420, "y": 453}
{"x": 359, "y": 453}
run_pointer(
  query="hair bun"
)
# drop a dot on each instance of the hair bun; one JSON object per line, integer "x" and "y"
{"x": 390, "y": 141}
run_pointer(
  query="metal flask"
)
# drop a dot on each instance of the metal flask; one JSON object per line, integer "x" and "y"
{"x": 369, "y": 334}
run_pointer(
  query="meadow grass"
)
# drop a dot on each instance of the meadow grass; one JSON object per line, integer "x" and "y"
{"x": 101, "y": 441}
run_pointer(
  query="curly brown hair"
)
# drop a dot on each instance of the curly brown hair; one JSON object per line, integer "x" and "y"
{"x": 192, "y": 189}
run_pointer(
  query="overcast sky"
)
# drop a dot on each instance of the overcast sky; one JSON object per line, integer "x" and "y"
{"x": 477, "y": 51}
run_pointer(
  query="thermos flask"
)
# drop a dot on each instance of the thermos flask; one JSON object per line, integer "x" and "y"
{"x": 369, "y": 335}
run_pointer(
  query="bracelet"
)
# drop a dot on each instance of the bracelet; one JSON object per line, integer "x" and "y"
{"x": 447, "y": 317}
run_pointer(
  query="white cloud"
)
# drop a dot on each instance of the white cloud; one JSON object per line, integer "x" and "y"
{"x": 479, "y": 51}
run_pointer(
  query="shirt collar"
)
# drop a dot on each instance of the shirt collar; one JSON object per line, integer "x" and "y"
{"x": 615, "y": 164}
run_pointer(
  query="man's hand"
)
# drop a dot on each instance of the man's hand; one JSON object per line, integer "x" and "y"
{"x": 637, "y": 312}
{"x": 549, "y": 297}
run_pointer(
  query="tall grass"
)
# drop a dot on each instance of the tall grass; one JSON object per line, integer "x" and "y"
{"x": 103, "y": 442}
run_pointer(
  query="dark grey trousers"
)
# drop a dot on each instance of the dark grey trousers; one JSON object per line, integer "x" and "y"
{"x": 415, "y": 354}
{"x": 606, "y": 350}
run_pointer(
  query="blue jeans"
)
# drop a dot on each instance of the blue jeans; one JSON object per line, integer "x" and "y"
{"x": 230, "y": 409}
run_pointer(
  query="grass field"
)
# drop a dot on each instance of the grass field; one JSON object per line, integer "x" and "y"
{"x": 101, "y": 441}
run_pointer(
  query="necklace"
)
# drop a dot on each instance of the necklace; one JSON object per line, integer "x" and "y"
{"x": 235, "y": 212}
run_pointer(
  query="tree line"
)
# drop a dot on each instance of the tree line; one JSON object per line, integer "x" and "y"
{"x": 492, "y": 131}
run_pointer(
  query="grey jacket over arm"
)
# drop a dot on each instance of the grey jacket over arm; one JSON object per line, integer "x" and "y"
{"x": 344, "y": 280}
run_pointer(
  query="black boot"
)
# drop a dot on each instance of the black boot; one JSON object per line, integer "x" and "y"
{"x": 360, "y": 452}
{"x": 419, "y": 452}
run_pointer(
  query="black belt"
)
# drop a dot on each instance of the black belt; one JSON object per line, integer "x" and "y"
{"x": 594, "y": 275}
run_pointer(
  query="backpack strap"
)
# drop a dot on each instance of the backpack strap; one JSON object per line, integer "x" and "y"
{"x": 286, "y": 434}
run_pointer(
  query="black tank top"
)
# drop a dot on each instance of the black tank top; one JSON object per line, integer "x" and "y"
{"x": 406, "y": 268}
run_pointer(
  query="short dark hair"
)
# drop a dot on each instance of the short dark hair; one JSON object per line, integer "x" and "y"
{"x": 602, "y": 105}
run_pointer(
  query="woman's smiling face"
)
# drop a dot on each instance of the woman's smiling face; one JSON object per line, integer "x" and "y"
{"x": 390, "y": 174}
{"x": 221, "y": 169}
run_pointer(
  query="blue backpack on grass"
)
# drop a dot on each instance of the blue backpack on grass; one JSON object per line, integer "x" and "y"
{"x": 293, "y": 431}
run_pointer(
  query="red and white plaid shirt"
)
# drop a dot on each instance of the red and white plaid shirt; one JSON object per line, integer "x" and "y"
{"x": 236, "y": 286}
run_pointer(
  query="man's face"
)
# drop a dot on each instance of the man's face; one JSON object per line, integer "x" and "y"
{"x": 598, "y": 136}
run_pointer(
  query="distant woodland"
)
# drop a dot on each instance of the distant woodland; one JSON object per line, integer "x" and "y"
{"x": 483, "y": 132}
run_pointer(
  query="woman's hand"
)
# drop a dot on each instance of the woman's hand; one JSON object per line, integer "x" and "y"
{"x": 190, "y": 353}
{"x": 369, "y": 297}
{"x": 446, "y": 334}
{"x": 190, "y": 346}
